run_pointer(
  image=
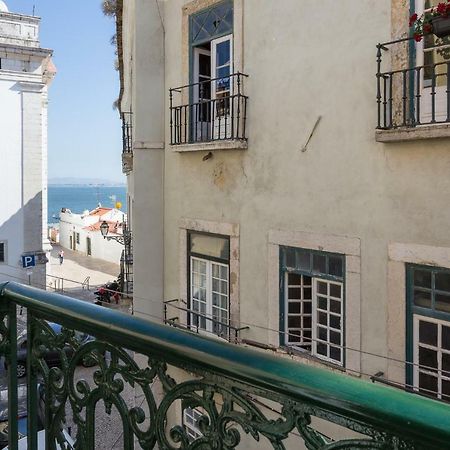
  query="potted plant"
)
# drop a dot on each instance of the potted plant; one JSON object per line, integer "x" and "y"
{"x": 436, "y": 21}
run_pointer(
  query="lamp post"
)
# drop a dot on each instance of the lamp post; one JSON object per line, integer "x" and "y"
{"x": 125, "y": 239}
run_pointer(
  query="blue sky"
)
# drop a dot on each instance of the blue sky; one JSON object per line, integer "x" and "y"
{"x": 84, "y": 130}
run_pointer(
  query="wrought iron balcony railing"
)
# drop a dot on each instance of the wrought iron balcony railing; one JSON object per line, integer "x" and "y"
{"x": 413, "y": 82}
{"x": 200, "y": 323}
{"x": 237, "y": 393}
{"x": 212, "y": 110}
{"x": 127, "y": 132}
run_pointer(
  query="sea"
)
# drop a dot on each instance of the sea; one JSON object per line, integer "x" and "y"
{"x": 83, "y": 197}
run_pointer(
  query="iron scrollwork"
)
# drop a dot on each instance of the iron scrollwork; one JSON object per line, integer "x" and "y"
{"x": 229, "y": 409}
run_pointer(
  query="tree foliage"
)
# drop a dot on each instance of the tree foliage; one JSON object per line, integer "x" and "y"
{"x": 109, "y": 7}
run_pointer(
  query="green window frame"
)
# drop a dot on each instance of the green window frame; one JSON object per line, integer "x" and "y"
{"x": 315, "y": 312}
{"x": 428, "y": 313}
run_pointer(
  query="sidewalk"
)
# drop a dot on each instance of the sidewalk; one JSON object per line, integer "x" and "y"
{"x": 76, "y": 268}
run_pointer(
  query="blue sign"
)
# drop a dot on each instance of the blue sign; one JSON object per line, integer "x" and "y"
{"x": 28, "y": 261}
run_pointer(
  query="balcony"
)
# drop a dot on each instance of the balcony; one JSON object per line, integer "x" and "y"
{"x": 413, "y": 89}
{"x": 237, "y": 397}
{"x": 209, "y": 115}
{"x": 194, "y": 321}
{"x": 127, "y": 142}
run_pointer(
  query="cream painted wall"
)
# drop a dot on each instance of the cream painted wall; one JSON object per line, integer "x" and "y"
{"x": 305, "y": 59}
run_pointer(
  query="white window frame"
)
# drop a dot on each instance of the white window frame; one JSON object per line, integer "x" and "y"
{"x": 190, "y": 420}
{"x": 209, "y": 296}
{"x": 417, "y": 369}
{"x": 314, "y": 312}
{"x": 216, "y": 131}
{"x": 5, "y": 252}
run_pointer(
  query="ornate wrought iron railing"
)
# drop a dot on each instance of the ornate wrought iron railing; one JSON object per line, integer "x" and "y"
{"x": 239, "y": 393}
{"x": 411, "y": 94}
{"x": 211, "y": 110}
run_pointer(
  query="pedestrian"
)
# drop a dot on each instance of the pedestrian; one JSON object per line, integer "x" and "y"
{"x": 61, "y": 257}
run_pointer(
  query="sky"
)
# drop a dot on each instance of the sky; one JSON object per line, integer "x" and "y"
{"x": 84, "y": 134}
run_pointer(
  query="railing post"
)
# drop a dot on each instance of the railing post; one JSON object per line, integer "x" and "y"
{"x": 238, "y": 117}
{"x": 418, "y": 95}
{"x": 448, "y": 92}
{"x": 379, "y": 84}
{"x": 433, "y": 95}
{"x": 171, "y": 115}
{"x": 11, "y": 357}
{"x": 32, "y": 400}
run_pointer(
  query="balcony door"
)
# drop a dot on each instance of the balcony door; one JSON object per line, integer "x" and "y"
{"x": 222, "y": 87}
{"x": 202, "y": 94}
{"x": 433, "y": 54}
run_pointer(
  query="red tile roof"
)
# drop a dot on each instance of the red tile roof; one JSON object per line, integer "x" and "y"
{"x": 99, "y": 211}
{"x": 113, "y": 226}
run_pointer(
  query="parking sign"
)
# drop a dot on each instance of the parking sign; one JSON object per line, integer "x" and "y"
{"x": 28, "y": 261}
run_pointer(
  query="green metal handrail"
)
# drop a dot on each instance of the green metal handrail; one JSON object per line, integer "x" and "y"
{"x": 408, "y": 420}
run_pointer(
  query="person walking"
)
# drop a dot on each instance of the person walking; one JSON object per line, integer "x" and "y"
{"x": 61, "y": 257}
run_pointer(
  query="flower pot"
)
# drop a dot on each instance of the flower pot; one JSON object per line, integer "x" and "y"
{"x": 441, "y": 26}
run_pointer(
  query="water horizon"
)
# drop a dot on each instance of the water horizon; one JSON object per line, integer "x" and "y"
{"x": 79, "y": 198}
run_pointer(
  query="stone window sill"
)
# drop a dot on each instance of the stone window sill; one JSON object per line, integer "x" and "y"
{"x": 406, "y": 134}
{"x": 231, "y": 144}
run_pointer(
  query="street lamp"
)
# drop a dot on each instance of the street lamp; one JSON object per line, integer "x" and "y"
{"x": 124, "y": 238}
{"x": 127, "y": 259}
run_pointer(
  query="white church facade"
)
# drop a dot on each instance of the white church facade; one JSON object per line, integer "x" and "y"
{"x": 26, "y": 70}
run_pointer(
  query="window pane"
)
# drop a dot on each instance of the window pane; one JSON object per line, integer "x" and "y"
{"x": 335, "y": 353}
{"x": 322, "y": 288}
{"x": 446, "y": 390}
{"x": 422, "y": 299}
{"x": 428, "y": 333}
{"x": 294, "y": 308}
{"x": 428, "y": 358}
{"x": 445, "y": 337}
{"x": 290, "y": 257}
{"x": 307, "y": 321}
{"x": 335, "y": 306}
{"x": 322, "y": 334}
{"x": 335, "y": 266}
{"x": 442, "y": 281}
{"x": 446, "y": 364}
{"x": 307, "y": 293}
{"x": 320, "y": 263}
{"x": 335, "y": 290}
{"x": 294, "y": 279}
{"x": 322, "y": 349}
{"x": 303, "y": 260}
{"x": 422, "y": 278}
{"x": 294, "y": 322}
{"x": 223, "y": 53}
{"x": 322, "y": 318}
{"x": 335, "y": 337}
{"x": 295, "y": 293}
{"x": 214, "y": 246}
{"x": 322, "y": 303}
{"x": 442, "y": 302}
{"x": 307, "y": 307}
{"x": 335, "y": 322}
{"x": 428, "y": 383}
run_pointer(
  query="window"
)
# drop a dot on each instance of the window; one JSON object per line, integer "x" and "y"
{"x": 191, "y": 416}
{"x": 2, "y": 252}
{"x": 428, "y": 330}
{"x": 211, "y": 58}
{"x": 312, "y": 303}
{"x": 88, "y": 246}
{"x": 209, "y": 283}
{"x": 78, "y": 237}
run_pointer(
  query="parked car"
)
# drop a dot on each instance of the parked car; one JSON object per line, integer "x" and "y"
{"x": 52, "y": 357}
{"x": 23, "y": 418}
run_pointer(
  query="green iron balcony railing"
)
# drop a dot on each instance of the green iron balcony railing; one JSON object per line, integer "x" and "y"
{"x": 222, "y": 385}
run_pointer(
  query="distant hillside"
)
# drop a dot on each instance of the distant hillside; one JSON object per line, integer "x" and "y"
{"x": 72, "y": 181}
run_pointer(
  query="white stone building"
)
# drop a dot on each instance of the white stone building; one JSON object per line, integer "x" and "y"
{"x": 307, "y": 202}
{"x": 26, "y": 71}
{"x": 81, "y": 232}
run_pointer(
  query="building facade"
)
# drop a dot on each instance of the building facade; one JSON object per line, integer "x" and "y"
{"x": 81, "y": 233}
{"x": 26, "y": 71}
{"x": 293, "y": 196}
